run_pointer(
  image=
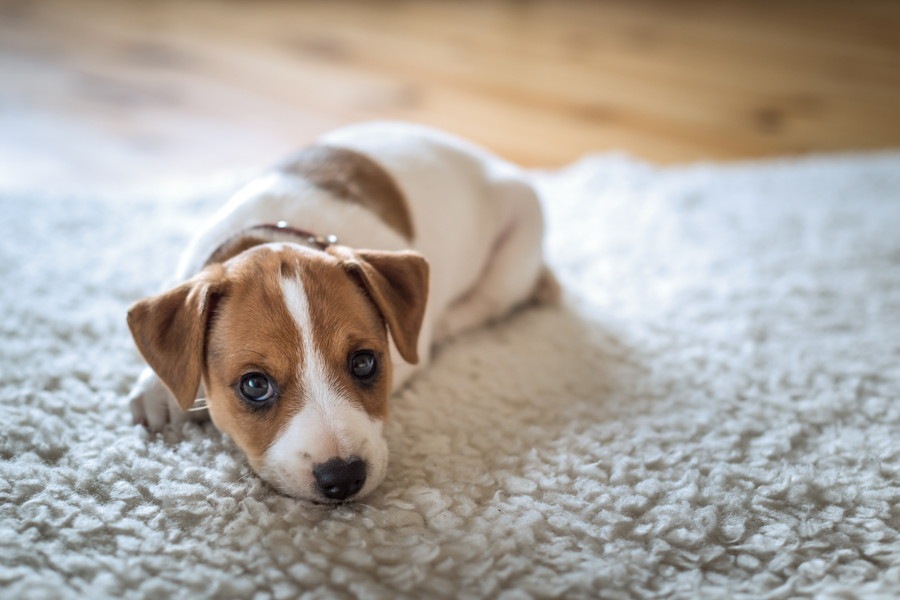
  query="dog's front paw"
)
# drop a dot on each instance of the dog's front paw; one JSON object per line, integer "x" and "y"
{"x": 151, "y": 402}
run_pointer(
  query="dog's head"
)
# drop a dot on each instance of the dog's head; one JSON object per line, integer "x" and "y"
{"x": 291, "y": 345}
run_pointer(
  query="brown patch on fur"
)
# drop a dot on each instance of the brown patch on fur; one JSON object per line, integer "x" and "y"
{"x": 354, "y": 177}
{"x": 397, "y": 282}
{"x": 253, "y": 331}
{"x": 344, "y": 321}
{"x": 170, "y": 331}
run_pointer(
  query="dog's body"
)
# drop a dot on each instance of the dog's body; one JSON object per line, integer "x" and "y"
{"x": 288, "y": 337}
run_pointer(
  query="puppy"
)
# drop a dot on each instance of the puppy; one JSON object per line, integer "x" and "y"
{"x": 322, "y": 285}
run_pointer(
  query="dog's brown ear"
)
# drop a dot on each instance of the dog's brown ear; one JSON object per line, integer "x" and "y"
{"x": 170, "y": 332}
{"x": 398, "y": 284}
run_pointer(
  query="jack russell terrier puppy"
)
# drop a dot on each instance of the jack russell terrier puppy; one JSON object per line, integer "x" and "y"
{"x": 321, "y": 286}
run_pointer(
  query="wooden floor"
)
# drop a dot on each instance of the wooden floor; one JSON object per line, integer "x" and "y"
{"x": 102, "y": 91}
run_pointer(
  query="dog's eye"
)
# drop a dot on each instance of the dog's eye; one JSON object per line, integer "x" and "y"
{"x": 256, "y": 387}
{"x": 363, "y": 364}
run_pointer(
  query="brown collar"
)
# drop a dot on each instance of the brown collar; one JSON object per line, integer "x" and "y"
{"x": 316, "y": 241}
{"x": 233, "y": 246}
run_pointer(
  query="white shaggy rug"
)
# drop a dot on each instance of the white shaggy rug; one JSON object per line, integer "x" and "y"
{"x": 713, "y": 413}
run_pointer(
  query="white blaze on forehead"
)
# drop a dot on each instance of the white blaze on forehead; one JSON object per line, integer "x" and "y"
{"x": 329, "y": 425}
{"x": 318, "y": 389}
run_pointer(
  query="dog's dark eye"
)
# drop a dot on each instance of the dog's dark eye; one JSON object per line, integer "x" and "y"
{"x": 363, "y": 364}
{"x": 256, "y": 387}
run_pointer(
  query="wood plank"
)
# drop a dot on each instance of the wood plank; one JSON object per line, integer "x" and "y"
{"x": 132, "y": 90}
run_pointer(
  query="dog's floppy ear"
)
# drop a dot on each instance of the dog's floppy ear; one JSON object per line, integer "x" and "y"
{"x": 397, "y": 282}
{"x": 170, "y": 331}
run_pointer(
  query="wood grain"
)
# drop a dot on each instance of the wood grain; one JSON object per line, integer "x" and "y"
{"x": 122, "y": 91}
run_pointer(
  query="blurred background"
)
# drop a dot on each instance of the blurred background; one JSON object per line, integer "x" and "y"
{"x": 111, "y": 92}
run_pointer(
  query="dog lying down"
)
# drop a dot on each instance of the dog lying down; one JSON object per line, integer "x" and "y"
{"x": 322, "y": 285}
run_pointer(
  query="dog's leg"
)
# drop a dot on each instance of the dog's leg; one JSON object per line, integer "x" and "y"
{"x": 515, "y": 272}
{"x": 150, "y": 401}
{"x": 154, "y": 406}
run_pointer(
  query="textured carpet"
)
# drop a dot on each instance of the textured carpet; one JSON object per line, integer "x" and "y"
{"x": 714, "y": 412}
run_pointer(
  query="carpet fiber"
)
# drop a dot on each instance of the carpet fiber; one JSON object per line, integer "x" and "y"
{"x": 713, "y": 412}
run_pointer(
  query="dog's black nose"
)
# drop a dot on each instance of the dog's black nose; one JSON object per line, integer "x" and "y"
{"x": 338, "y": 479}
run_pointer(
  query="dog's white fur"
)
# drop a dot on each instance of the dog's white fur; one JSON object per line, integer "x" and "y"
{"x": 477, "y": 221}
